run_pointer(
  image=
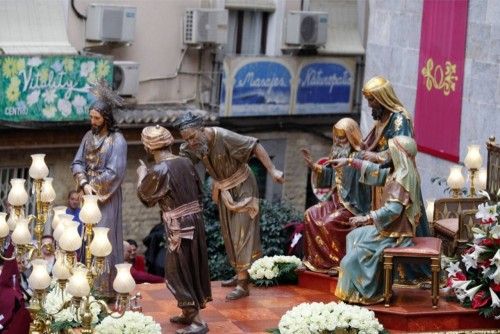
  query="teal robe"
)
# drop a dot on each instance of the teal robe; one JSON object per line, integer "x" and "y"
{"x": 361, "y": 270}
{"x": 397, "y": 125}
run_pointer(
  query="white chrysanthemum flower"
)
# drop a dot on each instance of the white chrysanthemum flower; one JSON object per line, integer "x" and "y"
{"x": 49, "y": 111}
{"x": 49, "y": 96}
{"x": 34, "y": 61}
{"x": 64, "y": 107}
{"x": 86, "y": 68}
{"x": 33, "y": 97}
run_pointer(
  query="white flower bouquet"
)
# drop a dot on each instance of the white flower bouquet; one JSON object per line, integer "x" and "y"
{"x": 320, "y": 318}
{"x": 64, "y": 316}
{"x": 272, "y": 270}
{"x": 129, "y": 323}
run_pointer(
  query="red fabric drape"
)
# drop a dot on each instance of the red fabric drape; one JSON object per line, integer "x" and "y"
{"x": 441, "y": 77}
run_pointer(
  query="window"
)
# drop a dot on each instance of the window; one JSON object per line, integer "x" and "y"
{"x": 8, "y": 173}
{"x": 247, "y": 32}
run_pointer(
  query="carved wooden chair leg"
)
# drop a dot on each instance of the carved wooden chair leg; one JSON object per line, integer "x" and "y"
{"x": 387, "y": 279}
{"x": 435, "y": 268}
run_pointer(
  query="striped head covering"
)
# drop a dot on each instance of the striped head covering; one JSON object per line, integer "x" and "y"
{"x": 156, "y": 137}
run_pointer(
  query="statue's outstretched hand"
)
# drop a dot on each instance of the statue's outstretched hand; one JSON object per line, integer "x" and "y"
{"x": 278, "y": 176}
{"x": 307, "y": 157}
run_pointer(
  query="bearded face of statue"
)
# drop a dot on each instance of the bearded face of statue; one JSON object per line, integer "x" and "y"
{"x": 97, "y": 122}
{"x": 341, "y": 148}
{"x": 196, "y": 139}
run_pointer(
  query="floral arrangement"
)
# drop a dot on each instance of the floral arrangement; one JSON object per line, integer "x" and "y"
{"x": 320, "y": 318}
{"x": 475, "y": 278}
{"x": 65, "y": 317}
{"x": 271, "y": 270}
{"x": 129, "y": 323}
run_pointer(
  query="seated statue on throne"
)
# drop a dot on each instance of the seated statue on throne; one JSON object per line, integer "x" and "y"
{"x": 326, "y": 224}
{"x": 392, "y": 225}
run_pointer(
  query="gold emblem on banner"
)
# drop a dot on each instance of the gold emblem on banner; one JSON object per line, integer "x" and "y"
{"x": 438, "y": 79}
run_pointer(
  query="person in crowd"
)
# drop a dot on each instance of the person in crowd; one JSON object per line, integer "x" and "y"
{"x": 155, "y": 249}
{"x": 140, "y": 276}
{"x": 137, "y": 261}
{"x": 14, "y": 317}
{"x": 73, "y": 208}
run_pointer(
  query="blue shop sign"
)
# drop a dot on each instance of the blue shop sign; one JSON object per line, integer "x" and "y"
{"x": 261, "y": 88}
{"x": 324, "y": 88}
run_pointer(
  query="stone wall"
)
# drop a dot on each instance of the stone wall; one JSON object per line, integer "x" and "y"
{"x": 393, "y": 51}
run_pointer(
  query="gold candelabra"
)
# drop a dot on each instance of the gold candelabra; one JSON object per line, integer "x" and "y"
{"x": 74, "y": 277}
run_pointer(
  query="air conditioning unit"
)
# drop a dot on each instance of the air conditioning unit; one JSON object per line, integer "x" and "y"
{"x": 306, "y": 28}
{"x": 109, "y": 23}
{"x": 205, "y": 26}
{"x": 126, "y": 77}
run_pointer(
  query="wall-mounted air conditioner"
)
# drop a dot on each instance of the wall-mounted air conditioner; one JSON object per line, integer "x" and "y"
{"x": 126, "y": 77}
{"x": 205, "y": 26}
{"x": 306, "y": 28}
{"x": 109, "y": 23}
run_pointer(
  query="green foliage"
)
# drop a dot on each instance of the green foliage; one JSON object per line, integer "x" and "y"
{"x": 273, "y": 218}
{"x": 273, "y": 330}
{"x": 58, "y": 326}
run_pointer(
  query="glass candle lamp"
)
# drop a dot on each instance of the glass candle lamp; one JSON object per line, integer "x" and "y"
{"x": 58, "y": 210}
{"x": 78, "y": 285}
{"x": 17, "y": 195}
{"x": 48, "y": 195}
{"x": 473, "y": 162}
{"x": 455, "y": 180}
{"x": 124, "y": 282}
{"x": 70, "y": 239}
{"x": 39, "y": 278}
{"x": 90, "y": 213}
{"x": 429, "y": 210}
{"x": 38, "y": 169}
{"x": 481, "y": 179}
{"x": 4, "y": 227}
{"x": 21, "y": 234}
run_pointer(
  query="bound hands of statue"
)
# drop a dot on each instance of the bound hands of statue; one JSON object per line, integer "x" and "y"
{"x": 370, "y": 156}
{"x": 358, "y": 221}
{"x": 307, "y": 157}
{"x": 88, "y": 190}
